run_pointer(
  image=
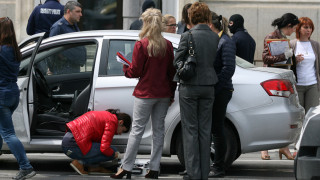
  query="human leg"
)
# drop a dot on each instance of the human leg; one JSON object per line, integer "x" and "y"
{"x": 218, "y": 117}
{"x": 7, "y": 132}
{"x": 301, "y": 91}
{"x": 158, "y": 115}
{"x": 141, "y": 114}
{"x": 205, "y": 104}
{"x": 188, "y": 99}
{"x": 311, "y": 97}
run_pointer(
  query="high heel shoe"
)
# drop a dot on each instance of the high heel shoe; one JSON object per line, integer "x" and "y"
{"x": 264, "y": 155}
{"x": 120, "y": 175}
{"x": 152, "y": 175}
{"x": 286, "y": 153}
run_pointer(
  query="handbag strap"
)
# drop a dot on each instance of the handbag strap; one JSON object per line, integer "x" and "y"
{"x": 191, "y": 44}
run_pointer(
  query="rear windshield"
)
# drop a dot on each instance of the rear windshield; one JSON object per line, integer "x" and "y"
{"x": 243, "y": 63}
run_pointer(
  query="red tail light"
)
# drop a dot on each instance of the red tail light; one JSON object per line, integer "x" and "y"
{"x": 278, "y": 87}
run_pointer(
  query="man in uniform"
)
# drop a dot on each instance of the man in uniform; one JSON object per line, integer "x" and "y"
{"x": 70, "y": 60}
{"x": 43, "y": 16}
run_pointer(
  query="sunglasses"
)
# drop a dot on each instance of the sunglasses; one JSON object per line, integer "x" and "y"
{"x": 5, "y": 19}
{"x": 172, "y": 25}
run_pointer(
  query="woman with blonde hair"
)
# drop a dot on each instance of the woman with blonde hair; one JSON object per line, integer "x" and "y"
{"x": 152, "y": 63}
{"x": 170, "y": 24}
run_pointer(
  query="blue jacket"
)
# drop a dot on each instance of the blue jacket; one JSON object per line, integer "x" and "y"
{"x": 245, "y": 44}
{"x": 62, "y": 26}
{"x": 43, "y": 16}
{"x": 225, "y": 63}
{"x": 9, "y": 69}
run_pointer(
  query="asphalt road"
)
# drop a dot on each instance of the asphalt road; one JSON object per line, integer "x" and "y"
{"x": 56, "y": 167}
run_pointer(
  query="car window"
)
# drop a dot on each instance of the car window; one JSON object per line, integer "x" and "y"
{"x": 114, "y": 68}
{"x": 64, "y": 59}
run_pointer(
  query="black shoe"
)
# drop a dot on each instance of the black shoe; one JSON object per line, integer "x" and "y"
{"x": 183, "y": 173}
{"x": 216, "y": 174}
{"x": 25, "y": 174}
{"x": 186, "y": 177}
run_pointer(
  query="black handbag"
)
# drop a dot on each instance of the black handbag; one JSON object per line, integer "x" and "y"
{"x": 187, "y": 68}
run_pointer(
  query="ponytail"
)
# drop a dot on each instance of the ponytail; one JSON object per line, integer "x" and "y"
{"x": 221, "y": 23}
{"x": 285, "y": 20}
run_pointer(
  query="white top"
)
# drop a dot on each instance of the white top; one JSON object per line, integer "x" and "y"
{"x": 306, "y": 71}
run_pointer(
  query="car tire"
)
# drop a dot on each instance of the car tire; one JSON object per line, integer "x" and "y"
{"x": 232, "y": 147}
{"x": 231, "y": 153}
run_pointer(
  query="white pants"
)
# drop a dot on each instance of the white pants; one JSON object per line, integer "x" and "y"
{"x": 143, "y": 108}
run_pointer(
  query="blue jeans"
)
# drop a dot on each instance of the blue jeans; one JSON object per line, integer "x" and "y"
{"x": 7, "y": 106}
{"x": 94, "y": 156}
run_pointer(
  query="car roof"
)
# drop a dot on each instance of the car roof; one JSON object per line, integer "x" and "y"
{"x": 174, "y": 38}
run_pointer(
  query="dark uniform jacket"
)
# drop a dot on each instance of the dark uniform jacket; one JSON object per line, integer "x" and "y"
{"x": 245, "y": 44}
{"x": 225, "y": 64}
{"x": 43, "y": 16}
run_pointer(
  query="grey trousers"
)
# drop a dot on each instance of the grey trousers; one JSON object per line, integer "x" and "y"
{"x": 196, "y": 117}
{"x": 143, "y": 108}
{"x": 308, "y": 96}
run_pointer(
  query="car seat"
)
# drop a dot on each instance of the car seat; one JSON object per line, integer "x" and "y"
{"x": 54, "y": 123}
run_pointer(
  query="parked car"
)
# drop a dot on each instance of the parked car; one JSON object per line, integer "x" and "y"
{"x": 263, "y": 113}
{"x": 307, "y": 161}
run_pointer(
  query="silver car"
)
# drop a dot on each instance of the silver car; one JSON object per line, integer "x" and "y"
{"x": 67, "y": 75}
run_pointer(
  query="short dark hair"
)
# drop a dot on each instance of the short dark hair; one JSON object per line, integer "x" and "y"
{"x": 71, "y": 5}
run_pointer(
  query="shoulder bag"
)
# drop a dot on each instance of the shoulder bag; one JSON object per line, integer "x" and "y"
{"x": 187, "y": 68}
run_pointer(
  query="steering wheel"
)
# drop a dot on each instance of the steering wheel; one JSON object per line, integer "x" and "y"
{"x": 42, "y": 83}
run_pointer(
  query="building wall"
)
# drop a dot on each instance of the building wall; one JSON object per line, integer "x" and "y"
{"x": 259, "y": 14}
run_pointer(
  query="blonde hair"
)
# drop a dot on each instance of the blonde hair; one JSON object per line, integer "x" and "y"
{"x": 151, "y": 29}
{"x": 165, "y": 21}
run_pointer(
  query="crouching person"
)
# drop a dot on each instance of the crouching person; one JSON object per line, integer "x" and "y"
{"x": 88, "y": 139}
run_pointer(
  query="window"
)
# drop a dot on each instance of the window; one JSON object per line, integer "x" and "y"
{"x": 71, "y": 58}
{"x": 126, "y": 46}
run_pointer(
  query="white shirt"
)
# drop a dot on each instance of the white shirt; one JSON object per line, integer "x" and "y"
{"x": 306, "y": 71}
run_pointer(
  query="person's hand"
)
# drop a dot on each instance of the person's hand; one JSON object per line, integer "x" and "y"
{"x": 288, "y": 53}
{"x": 299, "y": 58}
{"x": 116, "y": 154}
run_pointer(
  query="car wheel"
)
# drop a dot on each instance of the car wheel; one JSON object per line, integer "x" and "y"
{"x": 232, "y": 147}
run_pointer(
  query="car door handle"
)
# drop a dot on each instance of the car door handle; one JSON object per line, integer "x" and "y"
{"x": 56, "y": 89}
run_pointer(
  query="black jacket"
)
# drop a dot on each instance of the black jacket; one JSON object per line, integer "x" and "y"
{"x": 225, "y": 63}
{"x": 245, "y": 45}
{"x": 206, "y": 44}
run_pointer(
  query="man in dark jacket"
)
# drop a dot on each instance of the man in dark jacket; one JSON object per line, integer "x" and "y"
{"x": 43, "y": 16}
{"x": 245, "y": 44}
{"x": 137, "y": 24}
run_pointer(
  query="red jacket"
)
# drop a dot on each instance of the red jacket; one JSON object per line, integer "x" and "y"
{"x": 155, "y": 73}
{"x": 94, "y": 126}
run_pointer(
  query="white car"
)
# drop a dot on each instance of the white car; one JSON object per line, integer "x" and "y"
{"x": 263, "y": 113}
